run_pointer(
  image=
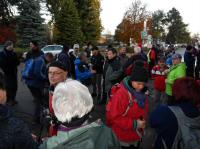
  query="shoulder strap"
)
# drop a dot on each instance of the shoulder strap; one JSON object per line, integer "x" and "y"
{"x": 129, "y": 105}
{"x": 178, "y": 113}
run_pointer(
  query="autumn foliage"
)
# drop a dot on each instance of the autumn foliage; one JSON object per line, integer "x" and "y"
{"x": 7, "y": 33}
{"x": 126, "y": 30}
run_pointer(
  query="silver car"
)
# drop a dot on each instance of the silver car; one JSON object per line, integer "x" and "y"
{"x": 54, "y": 49}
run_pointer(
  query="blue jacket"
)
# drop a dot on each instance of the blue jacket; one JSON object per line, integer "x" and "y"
{"x": 83, "y": 73}
{"x": 39, "y": 73}
{"x": 14, "y": 132}
{"x": 166, "y": 125}
{"x": 169, "y": 61}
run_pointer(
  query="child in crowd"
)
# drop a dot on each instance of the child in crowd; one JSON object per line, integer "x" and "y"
{"x": 158, "y": 73}
{"x": 127, "y": 108}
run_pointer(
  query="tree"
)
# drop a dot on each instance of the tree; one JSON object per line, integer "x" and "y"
{"x": 6, "y": 14}
{"x": 177, "y": 29}
{"x": 89, "y": 12}
{"x": 133, "y": 23}
{"x": 29, "y": 23}
{"x": 158, "y": 24}
{"x": 7, "y": 21}
{"x": 67, "y": 24}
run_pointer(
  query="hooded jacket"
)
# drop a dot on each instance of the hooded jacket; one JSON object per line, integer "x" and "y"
{"x": 124, "y": 125}
{"x": 176, "y": 72}
{"x": 91, "y": 136}
{"x": 83, "y": 73}
{"x": 14, "y": 132}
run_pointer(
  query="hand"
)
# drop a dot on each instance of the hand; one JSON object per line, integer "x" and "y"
{"x": 93, "y": 71}
{"x": 34, "y": 137}
{"x": 2, "y": 96}
{"x": 141, "y": 124}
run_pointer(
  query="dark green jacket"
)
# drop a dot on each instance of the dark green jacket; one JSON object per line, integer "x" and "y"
{"x": 92, "y": 136}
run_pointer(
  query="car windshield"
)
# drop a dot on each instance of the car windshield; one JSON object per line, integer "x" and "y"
{"x": 48, "y": 48}
{"x": 58, "y": 48}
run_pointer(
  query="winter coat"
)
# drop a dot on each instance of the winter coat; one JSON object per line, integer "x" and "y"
{"x": 169, "y": 61}
{"x": 39, "y": 73}
{"x": 152, "y": 56}
{"x": 198, "y": 59}
{"x": 123, "y": 125}
{"x": 113, "y": 72}
{"x": 34, "y": 54}
{"x": 14, "y": 133}
{"x": 176, "y": 72}
{"x": 97, "y": 63}
{"x": 165, "y": 123}
{"x": 189, "y": 60}
{"x": 83, "y": 73}
{"x": 9, "y": 63}
{"x": 72, "y": 59}
{"x": 128, "y": 67}
{"x": 91, "y": 136}
{"x": 159, "y": 77}
{"x": 63, "y": 57}
{"x": 123, "y": 59}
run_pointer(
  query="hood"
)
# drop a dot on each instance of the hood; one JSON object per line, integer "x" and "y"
{"x": 183, "y": 65}
{"x": 5, "y": 113}
{"x": 140, "y": 97}
{"x": 77, "y": 61}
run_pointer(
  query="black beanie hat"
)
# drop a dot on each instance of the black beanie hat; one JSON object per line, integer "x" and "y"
{"x": 59, "y": 65}
{"x": 139, "y": 74}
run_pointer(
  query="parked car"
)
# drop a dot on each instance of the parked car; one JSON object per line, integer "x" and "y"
{"x": 54, "y": 49}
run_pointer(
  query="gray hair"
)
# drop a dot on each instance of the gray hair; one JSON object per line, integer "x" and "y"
{"x": 71, "y": 99}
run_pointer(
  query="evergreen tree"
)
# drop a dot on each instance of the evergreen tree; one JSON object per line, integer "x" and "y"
{"x": 177, "y": 29}
{"x": 89, "y": 12}
{"x": 67, "y": 24}
{"x": 159, "y": 22}
{"x": 29, "y": 23}
{"x": 6, "y": 15}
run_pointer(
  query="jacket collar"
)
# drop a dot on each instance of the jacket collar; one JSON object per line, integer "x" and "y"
{"x": 140, "y": 97}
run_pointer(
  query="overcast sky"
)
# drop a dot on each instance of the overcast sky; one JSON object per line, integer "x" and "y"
{"x": 113, "y": 11}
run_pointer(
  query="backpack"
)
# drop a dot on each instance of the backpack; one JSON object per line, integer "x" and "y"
{"x": 130, "y": 68}
{"x": 113, "y": 90}
{"x": 188, "y": 134}
{"x": 27, "y": 72}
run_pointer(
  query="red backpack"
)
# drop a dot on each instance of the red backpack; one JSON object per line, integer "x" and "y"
{"x": 113, "y": 90}
{"x": 130, "y": 68}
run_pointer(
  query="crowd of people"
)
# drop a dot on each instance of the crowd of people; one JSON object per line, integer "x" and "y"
{"x": 69, "y": 84}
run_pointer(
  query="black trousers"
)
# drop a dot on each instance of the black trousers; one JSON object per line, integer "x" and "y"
{"x": 190, "y": 72}
{"x": 197, "y": 73}
{"x": 37, "y": 94}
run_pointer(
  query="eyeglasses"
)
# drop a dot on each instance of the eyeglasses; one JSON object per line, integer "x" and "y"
{"x": 54, "y": 73}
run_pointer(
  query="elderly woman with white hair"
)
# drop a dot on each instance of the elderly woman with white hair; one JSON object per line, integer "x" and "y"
{"x": 72, "y": 104}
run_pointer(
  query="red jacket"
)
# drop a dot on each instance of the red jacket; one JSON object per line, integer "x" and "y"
{"x": 159, "y": 76}
{"x": 123, "y": 126}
